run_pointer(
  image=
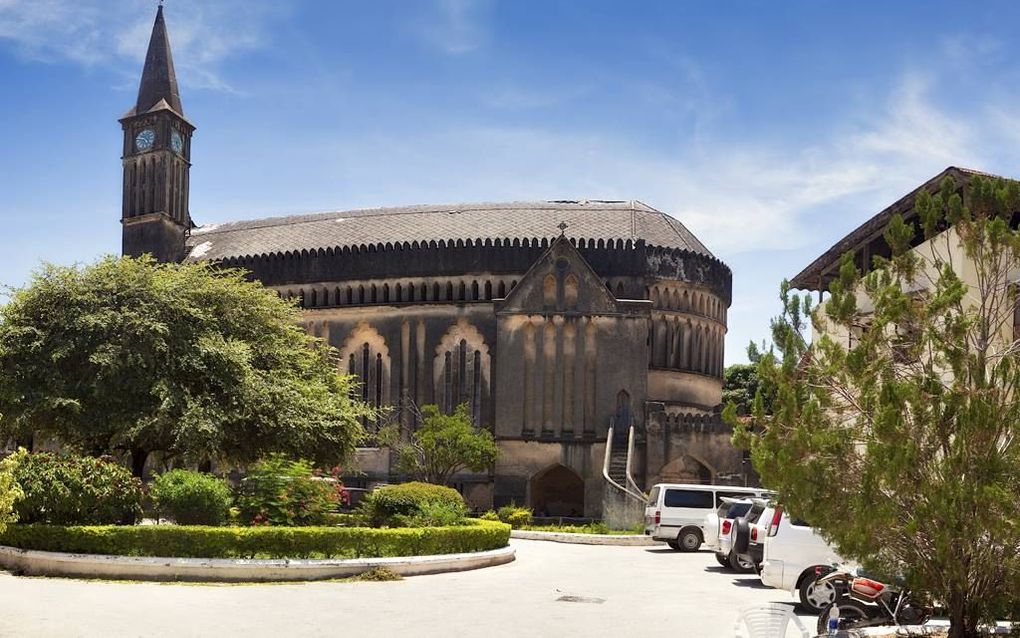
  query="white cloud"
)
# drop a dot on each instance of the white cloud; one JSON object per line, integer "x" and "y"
{"x": 116, "y": 32}
{"x": 453, "y": 26}
{"x": 757, "y": 195}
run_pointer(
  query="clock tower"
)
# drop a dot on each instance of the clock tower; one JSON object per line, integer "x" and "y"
{"x": 156, "y": 159}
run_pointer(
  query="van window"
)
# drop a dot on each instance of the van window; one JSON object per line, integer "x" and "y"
{"x": 653, "y": 497}
{"x": 688, "y": 498}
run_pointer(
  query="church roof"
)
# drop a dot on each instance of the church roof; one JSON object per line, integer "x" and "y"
{"x": 584, "y": 219}
{"x": 159, "y": 81}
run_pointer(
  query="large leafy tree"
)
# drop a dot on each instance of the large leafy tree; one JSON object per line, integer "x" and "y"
{"x": 742, "y": 385}
{"x": 442, "y": 445}
{"x": 897, "y": 432}
{"x": 189, "y": 360}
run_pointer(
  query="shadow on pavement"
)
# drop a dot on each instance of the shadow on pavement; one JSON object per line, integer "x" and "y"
{"x": 751, "y": 583}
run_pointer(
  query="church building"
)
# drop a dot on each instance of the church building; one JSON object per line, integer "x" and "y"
{"x": 554, "y": 321}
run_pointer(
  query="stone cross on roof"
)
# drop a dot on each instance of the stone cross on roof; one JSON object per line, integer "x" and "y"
{"x": 563, "y": 228}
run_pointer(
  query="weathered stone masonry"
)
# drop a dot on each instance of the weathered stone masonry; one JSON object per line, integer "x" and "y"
{"x": 551, "y": 320}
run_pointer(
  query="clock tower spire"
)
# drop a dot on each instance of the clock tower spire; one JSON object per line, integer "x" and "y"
{"x": 156, "y": 158}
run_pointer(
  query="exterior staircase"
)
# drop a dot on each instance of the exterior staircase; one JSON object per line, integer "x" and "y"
{"x": 618, "y": 464}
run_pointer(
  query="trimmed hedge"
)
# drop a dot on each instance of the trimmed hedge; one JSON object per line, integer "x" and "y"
{"x": 184, "y": 541}
{"x": 394, "y": 504}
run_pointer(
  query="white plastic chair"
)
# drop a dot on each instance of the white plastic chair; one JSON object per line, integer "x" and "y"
{"x": 767, "y": 621}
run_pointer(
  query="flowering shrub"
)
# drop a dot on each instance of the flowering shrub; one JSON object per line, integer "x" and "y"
{"x": 77, "y": 490}
{"x": 191, "y": 498}
{"x": 280, "y": 491}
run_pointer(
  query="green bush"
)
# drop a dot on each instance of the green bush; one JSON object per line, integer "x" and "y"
{"x": 10, "y": 491}
{"x": 491, "y": 515}
{"x": 393, "y": 505}
{"x": 516, "y": 517}
{"x": 281, "y": 492}
{"x": 191, "y": 498}
{"x": 437, "y": 514}
{"x": 259, "y": 542}
{"x": 77, "y": 490}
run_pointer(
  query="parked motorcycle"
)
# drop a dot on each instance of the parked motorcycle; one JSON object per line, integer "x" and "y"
{"x": 864, "y": 602}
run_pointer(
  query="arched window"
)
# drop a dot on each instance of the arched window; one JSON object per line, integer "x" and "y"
{"x": 474, "y": 291}
{"x": 502, "y": 290}
{"x": 549, "y": 291}
{"x": 368, "y": 358}
{"x": 462, "y": 370}
{"x": 570, "y": 291}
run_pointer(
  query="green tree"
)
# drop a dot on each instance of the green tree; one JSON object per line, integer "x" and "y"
{"x": 442, "y": 445}
{"x": 897, "y": 432}
{"x": 188, "y": 360}
{"x": 10, "y": 491}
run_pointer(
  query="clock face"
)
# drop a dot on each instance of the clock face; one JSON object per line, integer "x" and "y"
{"x": 145, "y": 139}
{"x": 176, "y": 142}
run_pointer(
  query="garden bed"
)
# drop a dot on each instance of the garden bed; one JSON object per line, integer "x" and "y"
{"x": 184, "y": 541}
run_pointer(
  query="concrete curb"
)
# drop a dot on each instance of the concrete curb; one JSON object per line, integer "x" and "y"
{"x": 38, "y": 563}
{"x": 634, "y": 540}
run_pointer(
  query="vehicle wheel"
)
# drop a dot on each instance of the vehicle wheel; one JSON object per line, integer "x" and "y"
{"x": 737, "y": 564}
{"x": 851, "y": 615}
{"x": 689, "y": 540}
{"x": 722, "y": 559}
{"x": 815, "y": 596}
{"x": 673, "y": 545}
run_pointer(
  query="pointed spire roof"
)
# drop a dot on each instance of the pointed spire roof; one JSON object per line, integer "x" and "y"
{"x": 159, "y": 82}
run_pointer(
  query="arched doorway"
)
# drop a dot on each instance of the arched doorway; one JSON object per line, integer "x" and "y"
{"x": 685, "y": 469}
{"x": 557, "y": 491}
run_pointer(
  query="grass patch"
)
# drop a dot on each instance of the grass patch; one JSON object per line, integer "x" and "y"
{"x": 590, "y": 528}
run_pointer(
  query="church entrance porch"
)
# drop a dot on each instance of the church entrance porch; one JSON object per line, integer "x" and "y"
{"x": 557, "y": 491}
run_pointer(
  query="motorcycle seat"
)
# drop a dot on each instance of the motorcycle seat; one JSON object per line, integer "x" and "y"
{"x": 867, "y": 588}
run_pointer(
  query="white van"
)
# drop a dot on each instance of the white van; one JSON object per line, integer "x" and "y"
{"x": 675, "y": 512}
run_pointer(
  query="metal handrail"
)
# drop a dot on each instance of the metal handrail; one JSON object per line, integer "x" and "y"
{"x": 630, "y": 454}
{"x": 605, "y": 469}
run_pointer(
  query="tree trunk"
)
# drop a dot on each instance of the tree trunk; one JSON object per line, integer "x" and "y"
{"x": 962, "y": 621}
{"x": 138, "y": 459}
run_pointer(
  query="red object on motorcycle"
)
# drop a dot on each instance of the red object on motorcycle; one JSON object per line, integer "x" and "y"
{"x": 726, "y": 525}
{"x": 776, "y": 517}
{"x": 867, "y": 588}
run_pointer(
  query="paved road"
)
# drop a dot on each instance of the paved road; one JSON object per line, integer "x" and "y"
{"x": 620, "y": 591}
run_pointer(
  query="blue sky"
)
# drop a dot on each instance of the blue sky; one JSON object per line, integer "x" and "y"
{"x": 770, "y": 129}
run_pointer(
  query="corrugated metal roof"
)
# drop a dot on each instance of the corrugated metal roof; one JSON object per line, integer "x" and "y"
{"x": 594, "y": 219}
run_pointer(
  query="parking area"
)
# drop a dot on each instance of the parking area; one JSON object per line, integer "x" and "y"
{"x": 552, "y": 589}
